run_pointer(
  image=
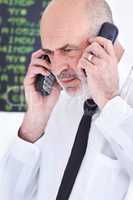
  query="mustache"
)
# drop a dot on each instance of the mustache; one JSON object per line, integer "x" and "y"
{"x": 67, "y": 74}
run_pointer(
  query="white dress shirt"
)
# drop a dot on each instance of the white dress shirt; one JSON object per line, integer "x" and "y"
{"x": 34, "y": 171}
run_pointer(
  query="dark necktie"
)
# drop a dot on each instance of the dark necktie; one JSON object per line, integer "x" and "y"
{"x": 78, "y": 151}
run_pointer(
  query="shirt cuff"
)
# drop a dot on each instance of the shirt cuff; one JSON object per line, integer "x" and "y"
{"x": 39, "y": 142}
{"x": 27, "y": 152}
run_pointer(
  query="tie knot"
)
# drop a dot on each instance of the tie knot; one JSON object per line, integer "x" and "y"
{"x": 90, "y": 107}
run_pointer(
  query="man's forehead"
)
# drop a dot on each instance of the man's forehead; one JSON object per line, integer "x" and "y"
{"x": 54, "y": 44}
{"x": 53, "y": 38}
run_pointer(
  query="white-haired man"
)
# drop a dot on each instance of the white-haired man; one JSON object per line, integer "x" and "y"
{"x": 35, "y": 165}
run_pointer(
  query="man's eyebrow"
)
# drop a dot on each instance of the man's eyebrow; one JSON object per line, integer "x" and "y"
{"x": 61, "y": 48}
{"x": 47, "y": 50}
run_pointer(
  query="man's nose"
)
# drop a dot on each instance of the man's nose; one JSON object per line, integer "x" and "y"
{"x": 59, "y": 62}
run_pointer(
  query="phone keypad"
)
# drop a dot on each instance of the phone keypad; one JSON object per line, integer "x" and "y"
{"x": 48, "y": 83}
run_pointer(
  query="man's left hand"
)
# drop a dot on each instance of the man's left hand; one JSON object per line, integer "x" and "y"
{"x": 100, "y": 64}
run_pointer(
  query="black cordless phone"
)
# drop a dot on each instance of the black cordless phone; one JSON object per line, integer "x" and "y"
{"x": 109, "y": 31}
{"x": 44, "y": 84}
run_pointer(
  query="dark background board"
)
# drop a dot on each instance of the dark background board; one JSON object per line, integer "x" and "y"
{"x": 19, "y": 37}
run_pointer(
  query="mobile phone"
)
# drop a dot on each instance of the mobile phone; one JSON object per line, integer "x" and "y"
{"x": 109, "y": 31}
{"x": 44, "y": 84}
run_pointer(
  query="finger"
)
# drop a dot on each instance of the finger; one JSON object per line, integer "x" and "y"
{"x": 84, "y": 64}
{"x": 96, "y": 61}
{"x": 105, "y": 43}
{"x": 41, "y": 62}
{"x": 32, "y": 72}
{"x": 37, "y": 53}
{"x": 95, "y": 49}
{"x": 31, "y": 75}
{"x": 88, "y": 57}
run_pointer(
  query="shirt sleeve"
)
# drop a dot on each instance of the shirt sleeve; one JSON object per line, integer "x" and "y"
{"x": 116, "y": 124}
{"x": 19, "y": 170}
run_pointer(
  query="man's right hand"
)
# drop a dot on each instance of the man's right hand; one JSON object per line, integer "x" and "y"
{"x": 39, "y": 107}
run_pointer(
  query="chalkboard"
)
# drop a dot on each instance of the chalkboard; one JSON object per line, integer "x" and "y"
{"x": 19, "y": 37}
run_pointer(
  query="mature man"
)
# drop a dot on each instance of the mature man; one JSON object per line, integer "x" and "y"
{"x": 35, "y": 165}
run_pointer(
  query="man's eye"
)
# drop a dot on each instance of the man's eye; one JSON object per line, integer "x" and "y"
{"x": 71, "y": 52}
{"x": 68, "y": 50}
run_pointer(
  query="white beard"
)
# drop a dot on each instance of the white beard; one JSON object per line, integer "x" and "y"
{"x": 84, "y": 91}
{"x": 83, "y": 94}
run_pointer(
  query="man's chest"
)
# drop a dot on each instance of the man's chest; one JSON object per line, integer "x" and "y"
{"x": 99, "y": 175}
